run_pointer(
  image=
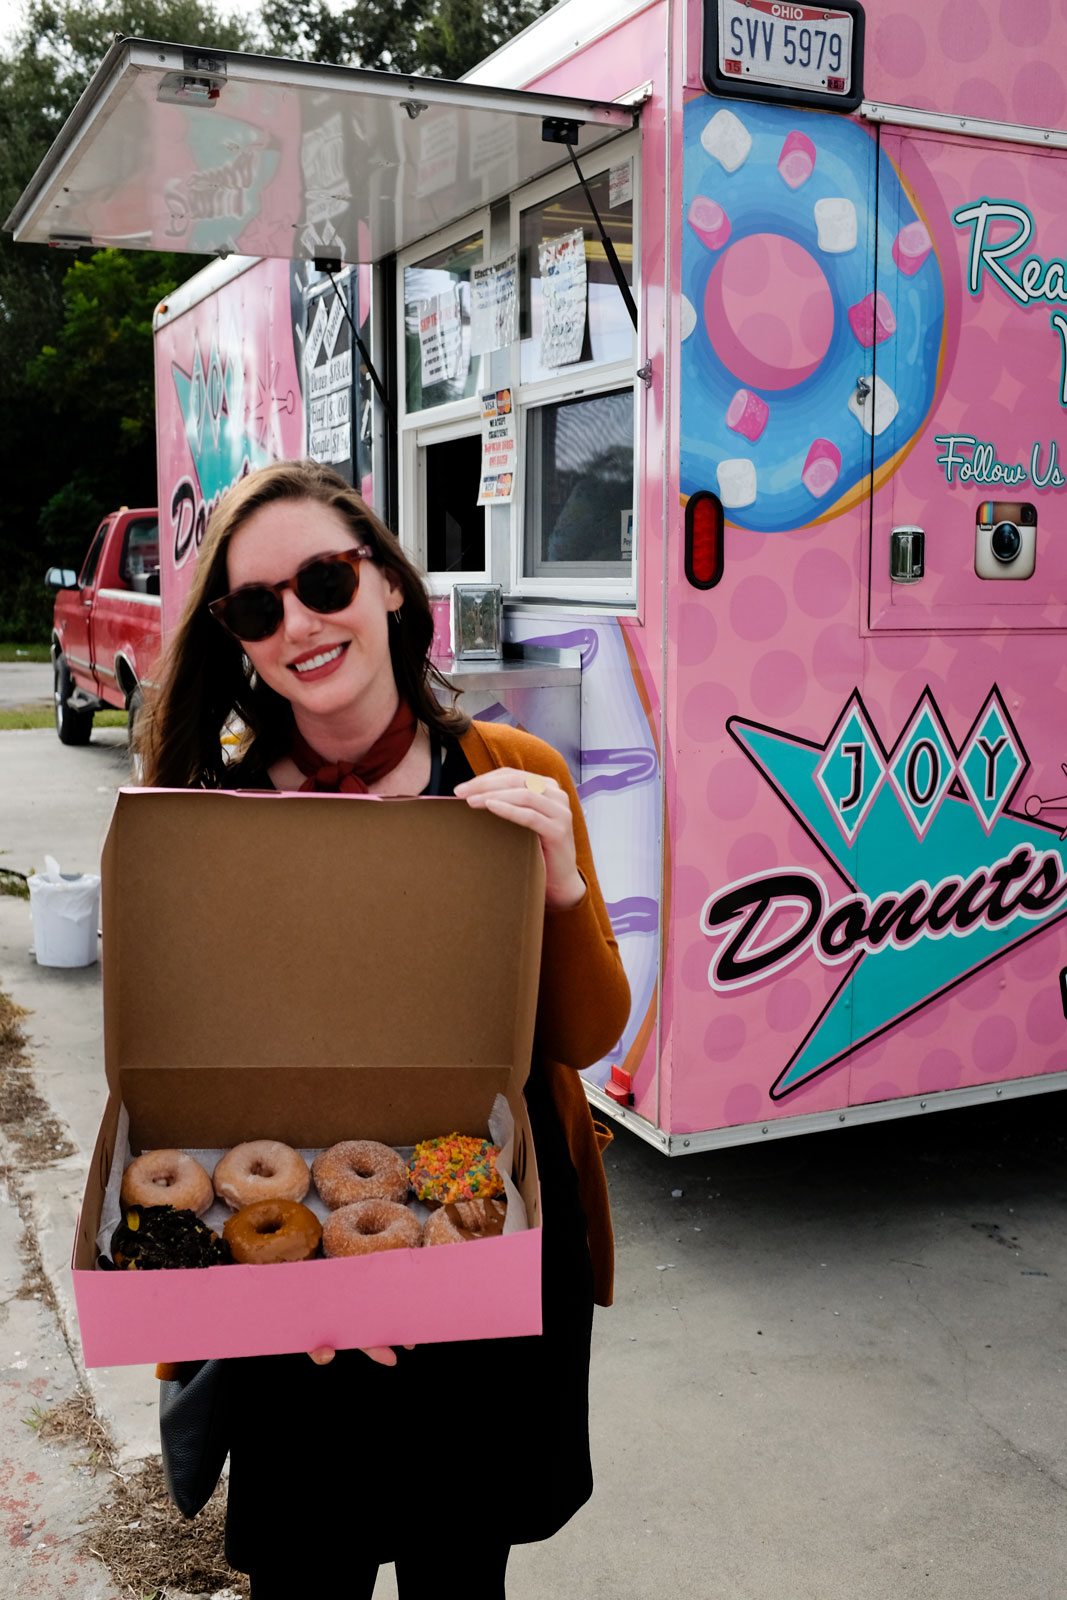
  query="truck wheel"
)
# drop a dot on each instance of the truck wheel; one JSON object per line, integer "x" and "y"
{"x": 73, "y": 727}
{"x": 133, "y": 711}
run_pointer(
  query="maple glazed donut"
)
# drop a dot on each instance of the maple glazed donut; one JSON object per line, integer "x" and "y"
{"x": 272, "y": 1230}
{"x": 369, "y": 1225}
{"x": 167, "y": 1178}
{"x": 262, "y": 1169}
{"x": 359, "y": 1169}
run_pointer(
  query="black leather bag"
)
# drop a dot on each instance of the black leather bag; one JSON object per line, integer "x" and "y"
{"x": 194, "y": 1433}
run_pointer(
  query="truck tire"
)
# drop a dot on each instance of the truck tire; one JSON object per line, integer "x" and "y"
{"x": 73, "y": 727}
{"x": 133, "y": 710}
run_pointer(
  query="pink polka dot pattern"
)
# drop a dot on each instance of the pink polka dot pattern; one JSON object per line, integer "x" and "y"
{"x": 744, "y": 1103}
{"x": 963, "y": 31}
{"x": 787, "y": 635}
{"x": 941, "y": 1069}
{"x": 822, "y": 583}
{"x": 724, "y": 1037}
{"x": 995, "y": 1042}
{"x": 779, "y": 681}
{"x": 900, "y": 45}
{"x": 758, "y": 609}
{"x": 788, "y": 1005}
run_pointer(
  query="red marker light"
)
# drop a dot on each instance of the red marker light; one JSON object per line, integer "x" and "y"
{"x": 703, "y": 539}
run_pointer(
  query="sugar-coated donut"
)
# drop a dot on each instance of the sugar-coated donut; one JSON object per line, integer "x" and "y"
{"x": 273, "y": 1230}
{"x": 369, "y": 1225}
{"x": 262, "y": 1169}
{"x": 359, "y": 1169}
{"x": 455, "y": 1167}
{"x": 465, "y": 1219}
{"x": 154, "y": 1237}
{"x": 167, "y": 1178}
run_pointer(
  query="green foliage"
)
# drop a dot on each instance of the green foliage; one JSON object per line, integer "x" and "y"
{"x": 444, "y": 38}
{"x": 76, "y": 401}
{"x": 77, "y": 396}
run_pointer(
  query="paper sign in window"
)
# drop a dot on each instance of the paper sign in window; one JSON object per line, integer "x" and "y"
{"x": 440, "y": 337}
{"x": 494, "y": 296}
{"x": 563, "y": 298}
{"x": 498, "y": 448}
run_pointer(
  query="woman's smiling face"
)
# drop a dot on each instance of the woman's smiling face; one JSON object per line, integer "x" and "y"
{"x": 326, "y": 664}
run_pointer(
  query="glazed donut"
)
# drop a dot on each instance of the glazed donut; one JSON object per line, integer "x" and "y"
{"x": 784, "y": 445}
{"x": 262, "y": 1169}
{"x": 153, "y": 1237}
{"x": 273, "y": 1230}
{"x": 466, "y": 1219}
{"x": 359, "y": 1169}
{"x": 455, "y": 1166}
{"x": 167, "y": 1178}
{"x": 369, "y": 1225}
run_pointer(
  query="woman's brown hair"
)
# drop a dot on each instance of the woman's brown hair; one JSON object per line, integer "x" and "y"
{"x": 206, "y": 681}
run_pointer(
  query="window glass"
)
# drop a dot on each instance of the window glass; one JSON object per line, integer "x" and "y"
{"x": 609, "y": 332}
{"x": 580, "y": 486}
{"x": 437, "y": 326}
{"x": 88, "y": 572}
{"x": 141, "y": 557}
{"x": 455, "y": 522}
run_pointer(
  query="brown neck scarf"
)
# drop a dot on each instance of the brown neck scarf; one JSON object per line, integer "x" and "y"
{"x": 356, "y": 777}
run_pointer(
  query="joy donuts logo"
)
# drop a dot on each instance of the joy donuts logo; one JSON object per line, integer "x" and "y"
{"x": 783, "y": 410}
{"x": 948, "y": 879}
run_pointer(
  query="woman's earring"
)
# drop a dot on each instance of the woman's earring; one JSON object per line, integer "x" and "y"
{"x": 396, "y": 615}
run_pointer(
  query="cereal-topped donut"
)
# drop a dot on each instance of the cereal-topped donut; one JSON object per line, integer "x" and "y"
{"x": 455, "y": 1166}
{"x": 262, "y": 1169}
{"x": 370, "y": 1225}
{"x": 273, "y": 1230}
{"x": 465, "y": 1220}
{"x": 359, "y": 1169}
{"x": 167, "y": 1178}
{"x": 791, "y": 400}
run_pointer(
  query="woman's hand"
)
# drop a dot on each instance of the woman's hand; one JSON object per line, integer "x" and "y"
{"x": 383, "y": 1354}
{"x": 539, "y": 804}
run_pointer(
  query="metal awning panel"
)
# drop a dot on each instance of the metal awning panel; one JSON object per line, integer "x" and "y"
{"x": 215, "y": 153}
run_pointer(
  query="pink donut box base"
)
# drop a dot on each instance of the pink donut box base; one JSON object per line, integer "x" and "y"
{"x": 208, "y": 1052}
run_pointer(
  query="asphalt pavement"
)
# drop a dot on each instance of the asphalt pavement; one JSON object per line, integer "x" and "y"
{"x": 836, "y": 1364}
{"x": 24, "y": 683}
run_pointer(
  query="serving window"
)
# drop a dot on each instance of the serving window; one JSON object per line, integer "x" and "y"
{"x": 562, "y": 348}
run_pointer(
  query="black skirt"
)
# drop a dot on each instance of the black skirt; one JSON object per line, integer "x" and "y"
{"x": 381, "y": 1451}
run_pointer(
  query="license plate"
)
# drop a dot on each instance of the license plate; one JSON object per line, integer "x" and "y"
{"x": 794, "y": 46}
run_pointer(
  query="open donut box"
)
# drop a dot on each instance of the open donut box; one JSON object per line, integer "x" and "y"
{"x": 313, "y": 968}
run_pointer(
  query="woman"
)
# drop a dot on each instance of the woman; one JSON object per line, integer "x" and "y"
{"x": 307, "y": 624}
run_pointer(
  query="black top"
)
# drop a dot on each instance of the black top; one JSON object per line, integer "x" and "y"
{"x": 381, "y": 1442}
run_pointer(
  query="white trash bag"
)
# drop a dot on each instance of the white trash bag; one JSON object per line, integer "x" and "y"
{"x": 65, "y": 907}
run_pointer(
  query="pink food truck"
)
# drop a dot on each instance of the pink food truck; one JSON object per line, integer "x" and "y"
{"x": 716, "y": 355}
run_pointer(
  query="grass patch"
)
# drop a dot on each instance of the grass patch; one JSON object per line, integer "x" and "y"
{"x": 24, "y": 652}
{"x": 14, "y": 883}
{"x": 149, "y": 1547}
{"x": 43, "y": 716}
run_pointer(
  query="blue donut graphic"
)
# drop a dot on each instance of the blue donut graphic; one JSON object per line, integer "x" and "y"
{"x": 782, "y": 454}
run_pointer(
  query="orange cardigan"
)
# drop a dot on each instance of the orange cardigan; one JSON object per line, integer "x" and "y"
{"x": 584, "y": 997}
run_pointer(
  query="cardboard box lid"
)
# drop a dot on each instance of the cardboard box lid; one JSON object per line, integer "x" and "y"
{"x": 334, "y": 930}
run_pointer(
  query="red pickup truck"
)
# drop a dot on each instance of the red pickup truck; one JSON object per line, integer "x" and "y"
{"x": 106, "y": 626}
